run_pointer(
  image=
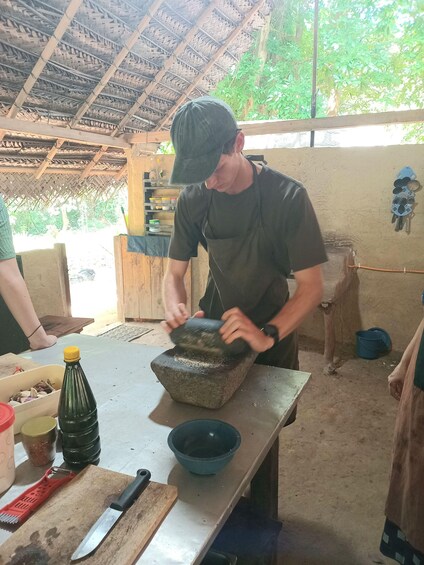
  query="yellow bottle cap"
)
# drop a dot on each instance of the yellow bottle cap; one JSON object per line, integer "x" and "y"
{"x": 71, "y": 354}
{"x": 38, "y": 426}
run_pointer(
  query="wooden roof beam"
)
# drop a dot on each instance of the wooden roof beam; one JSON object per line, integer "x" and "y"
{"x": 158, "y": 77}
{"x": 94, "y": 161}
{"x": 230, "y": 39}
{"x": 169, "y": 62}
{"x": 129, "y": 44}
{"x": 47, "y": 52}
{"x": 266, "y": 127}
{"x": 49, "y": 157}
{"x": 56, "y": 171}
{"x": 41, "y": 129}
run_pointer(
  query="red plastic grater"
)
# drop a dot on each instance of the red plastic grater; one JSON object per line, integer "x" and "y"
{"x": 19, "y": 509}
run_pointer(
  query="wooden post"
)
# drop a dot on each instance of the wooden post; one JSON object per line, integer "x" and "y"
{"x": 119, "y": 277}
{"x": 137, "y": 164}
{"x": 62, "y": 262}
{"x": 330, "y": 337}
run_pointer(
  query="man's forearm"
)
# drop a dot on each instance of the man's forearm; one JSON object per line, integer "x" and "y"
{"x": 174, "y": 291}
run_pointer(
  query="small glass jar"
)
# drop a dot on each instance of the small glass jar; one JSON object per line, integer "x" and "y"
{"x": 39, "y": 440}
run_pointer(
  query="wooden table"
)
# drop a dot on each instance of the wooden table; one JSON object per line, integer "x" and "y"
{"x": 63, "y": 325}
{"x": 136, "y": 415}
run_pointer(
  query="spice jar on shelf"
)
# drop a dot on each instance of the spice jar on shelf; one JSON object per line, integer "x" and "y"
{"x": 39, "y": 439}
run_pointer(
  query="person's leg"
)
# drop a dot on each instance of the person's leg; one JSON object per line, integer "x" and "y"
{"x": 285, "y": 355}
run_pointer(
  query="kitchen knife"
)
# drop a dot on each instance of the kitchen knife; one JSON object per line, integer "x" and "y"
{"x": 111, "y": 515}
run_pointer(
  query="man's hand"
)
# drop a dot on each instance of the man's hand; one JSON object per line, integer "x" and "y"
{"x": 396, "y": 380}
{"x": 237, "y": 325}
{"x": 177, "y": 317}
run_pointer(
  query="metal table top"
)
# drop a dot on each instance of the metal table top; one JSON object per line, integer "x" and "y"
{"x": 136, "y": 415}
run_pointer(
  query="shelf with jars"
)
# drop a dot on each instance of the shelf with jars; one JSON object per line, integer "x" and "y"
{"x": 160, "y": 201}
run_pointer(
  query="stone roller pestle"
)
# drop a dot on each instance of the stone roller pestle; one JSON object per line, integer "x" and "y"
{"x": 202, "y": 334}
{"x": 202, "y": 369}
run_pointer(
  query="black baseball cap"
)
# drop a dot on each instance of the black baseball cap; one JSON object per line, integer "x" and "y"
{"x": 199, "y": 131}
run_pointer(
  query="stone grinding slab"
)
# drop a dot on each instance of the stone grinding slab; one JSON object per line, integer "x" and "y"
{"x": 202, "y": 380}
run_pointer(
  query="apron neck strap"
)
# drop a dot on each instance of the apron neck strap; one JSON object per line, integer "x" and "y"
{"x": 256, "y": 188}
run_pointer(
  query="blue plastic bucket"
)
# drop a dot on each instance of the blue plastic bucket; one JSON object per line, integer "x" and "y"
{"x": 372, "y": 343}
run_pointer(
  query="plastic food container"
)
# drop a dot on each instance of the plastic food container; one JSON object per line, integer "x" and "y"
{"x": 166, "y": 203}
{"x": 39, "y": 440}
{"x": 43, "y": 406}
{"x": 7, "y": 446}
{"x": 154, "y": 226}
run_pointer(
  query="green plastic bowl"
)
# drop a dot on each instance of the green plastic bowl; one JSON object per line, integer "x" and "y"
{"x": 204, "y": 447}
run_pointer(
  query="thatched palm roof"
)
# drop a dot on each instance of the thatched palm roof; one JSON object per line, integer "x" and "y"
{"x": 110, "y": 68}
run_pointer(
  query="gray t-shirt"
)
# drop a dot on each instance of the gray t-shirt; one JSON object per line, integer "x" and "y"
{"x": 286, "y": 212}
{"x": 7, "y": 251}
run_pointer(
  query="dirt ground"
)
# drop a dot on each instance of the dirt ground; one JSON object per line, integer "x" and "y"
{"x": 334, "y": 459}
{"x": 335, "y": 462}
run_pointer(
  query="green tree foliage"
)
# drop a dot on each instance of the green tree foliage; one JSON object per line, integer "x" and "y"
{"x": 85, "y": 214}
{"x": 34, "y": 222}
{"x": 370, "y": 59}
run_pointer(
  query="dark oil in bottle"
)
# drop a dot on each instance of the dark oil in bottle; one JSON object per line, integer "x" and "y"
{"x": 78, "y": 415}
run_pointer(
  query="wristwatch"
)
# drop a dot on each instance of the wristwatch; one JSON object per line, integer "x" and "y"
{"x": 271, "y": 331}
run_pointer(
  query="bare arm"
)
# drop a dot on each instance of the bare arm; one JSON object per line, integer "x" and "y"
{"x": 307, "y": 296}
{"x": 397, "y": 376}
{"x": 15, "y": 293}
{"x": 175, "y": 294}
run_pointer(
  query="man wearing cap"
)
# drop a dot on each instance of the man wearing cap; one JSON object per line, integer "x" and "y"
{"x": 256, "y": 224}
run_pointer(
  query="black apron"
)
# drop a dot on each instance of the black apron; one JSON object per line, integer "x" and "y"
{"x": 243, "y": 273}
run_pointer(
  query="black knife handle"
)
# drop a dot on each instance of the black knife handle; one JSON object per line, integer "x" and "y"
{"x": 133, "y": 491}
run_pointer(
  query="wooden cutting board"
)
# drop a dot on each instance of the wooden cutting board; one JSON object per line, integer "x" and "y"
{"x": 56, "y": 528}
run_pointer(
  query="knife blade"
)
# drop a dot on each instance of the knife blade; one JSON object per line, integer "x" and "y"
{"x": 111, "y": 515}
